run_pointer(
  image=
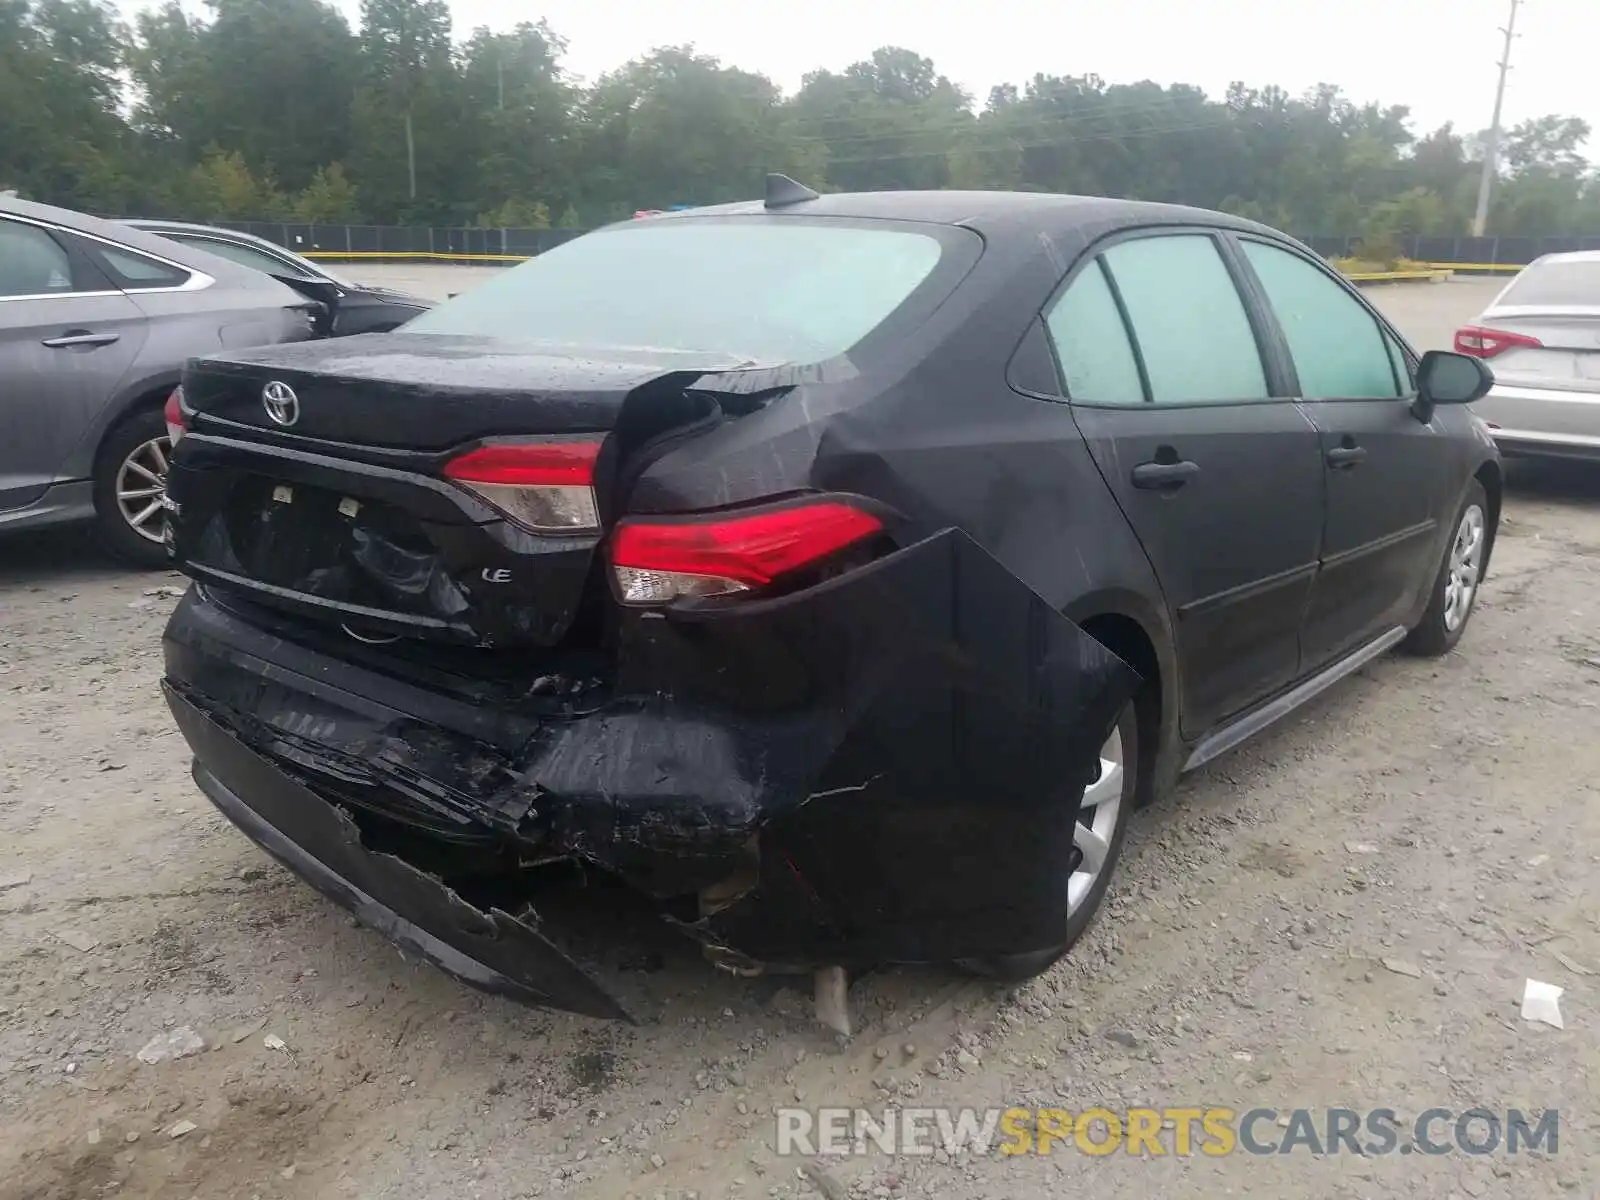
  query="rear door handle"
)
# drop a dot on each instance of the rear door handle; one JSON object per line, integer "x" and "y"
{"x": 81, "y": 338}
{"x": 1164, "y": 476}
{"x": 1346, "y": 456}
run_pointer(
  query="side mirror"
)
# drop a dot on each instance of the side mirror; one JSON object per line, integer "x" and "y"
{"x": 1444, "y": 377}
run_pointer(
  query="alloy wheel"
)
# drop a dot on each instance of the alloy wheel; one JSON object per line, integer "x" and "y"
{"x": 1464, "y": 569}
{"x": 142, "y": 488}
{"x": 1097, "y": 822}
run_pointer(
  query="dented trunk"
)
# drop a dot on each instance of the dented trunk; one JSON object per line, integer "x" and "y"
{"x": 885, "y": 766}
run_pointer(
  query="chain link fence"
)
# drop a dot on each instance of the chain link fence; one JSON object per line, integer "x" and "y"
{"x": 402, "y": 242}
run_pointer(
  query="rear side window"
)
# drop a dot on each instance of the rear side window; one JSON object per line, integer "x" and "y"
{"x": 32, "y": 263}
{"x": 1097, "y": 360}
{"x": 1188, "y": 320}
{"x": 134, "y": 271}
{"x": 1338, "y": 347}
{"x": 1554, "y": 284}
{"x": 245, "y": 256}
{"x": 772, "y": 291}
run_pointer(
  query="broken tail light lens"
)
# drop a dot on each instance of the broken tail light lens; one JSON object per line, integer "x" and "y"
{"x": 1481, "y": 342}
{"x": 547, "y": 487}
{"x": 172, "y": 413}
{"x": 657, "y": 561}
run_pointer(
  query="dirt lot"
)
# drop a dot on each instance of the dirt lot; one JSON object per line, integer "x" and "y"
{"x": 1440, "y": 817}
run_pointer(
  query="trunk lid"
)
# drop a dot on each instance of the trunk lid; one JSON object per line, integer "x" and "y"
{"x": 317, "y": 479}
{"x": 1567, "y": 357}
{"x": 432, "y": 392}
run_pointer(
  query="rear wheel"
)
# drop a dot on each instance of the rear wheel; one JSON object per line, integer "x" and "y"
{"x": 1455, "y": 589}
{"x": 1102, "y": 822}
{"x": 130, "y": 486}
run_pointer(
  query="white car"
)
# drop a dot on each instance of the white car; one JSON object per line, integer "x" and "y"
{"x": 1541, "y": 337}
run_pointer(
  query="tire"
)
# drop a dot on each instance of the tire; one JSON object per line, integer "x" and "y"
{"x": 1448, "y": 611}
{"x": 1014, "y": 967}
{"x": 132, "y": 460}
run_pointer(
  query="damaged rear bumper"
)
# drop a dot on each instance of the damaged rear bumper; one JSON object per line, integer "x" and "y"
{"x": 318, "y": 841}
{"x": 887, "y": 765}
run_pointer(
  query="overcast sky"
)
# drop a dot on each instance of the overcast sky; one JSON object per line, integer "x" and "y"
{"x": 1437, "y": 56}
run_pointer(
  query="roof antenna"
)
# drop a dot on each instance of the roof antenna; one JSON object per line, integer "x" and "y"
{"x": 783, "y": 191}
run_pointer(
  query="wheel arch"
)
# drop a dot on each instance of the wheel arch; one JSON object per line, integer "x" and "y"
{"x": 1132, "y": 630}
{"x": 1491, "y": 477}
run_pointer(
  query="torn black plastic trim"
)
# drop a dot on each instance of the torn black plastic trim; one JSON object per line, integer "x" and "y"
{"x": 493, "y": 950}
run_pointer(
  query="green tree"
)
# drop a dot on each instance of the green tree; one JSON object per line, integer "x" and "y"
{"x": 62, "y": 136}
{"x": 677, "y": 127}
{"x": 521, "y": 110}
{"x": 329, "y": 199}
{"x": 222, "y": 187}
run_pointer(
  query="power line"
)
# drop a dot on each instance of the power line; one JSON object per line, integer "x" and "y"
{"x": 1491, "y": 155}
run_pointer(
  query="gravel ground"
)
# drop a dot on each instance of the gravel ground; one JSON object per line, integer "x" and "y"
{"x": 1437, "y": 817}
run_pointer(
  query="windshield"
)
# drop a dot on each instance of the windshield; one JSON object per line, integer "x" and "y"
{"x": 774, "y": 291}
{"x": 1555, "y": 284}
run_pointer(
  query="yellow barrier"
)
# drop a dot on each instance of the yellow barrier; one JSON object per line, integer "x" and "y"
{"x": 1436, "y": 274}
{"x": 409, "y": 255}
{"x": 1492, "y": 267}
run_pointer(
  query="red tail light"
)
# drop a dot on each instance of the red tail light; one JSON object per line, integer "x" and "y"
{"x": 545, "y": 486}
{"x": 1480, "y": 342}
{"x": 657, "y": 561}
{"x": 173, "y": 415}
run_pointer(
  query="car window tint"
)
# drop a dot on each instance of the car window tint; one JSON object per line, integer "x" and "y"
{"x": 245, "y": 256}
{"x": 781, "y": 291}
{"x": 1338, "y": 347}
{"x": 32, "y": 263}
{"x": 136, "y": 271}
{"x": 1188, "y": 320}
{"x": 1097, "y": 361}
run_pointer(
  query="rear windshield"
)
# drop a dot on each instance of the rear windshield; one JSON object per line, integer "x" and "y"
{"x": 1555, "y": 283}
{"x": 771, "y": 291}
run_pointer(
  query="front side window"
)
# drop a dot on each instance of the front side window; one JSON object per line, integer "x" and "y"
{"x": 1189, "y": 322}
{"x": 1339, "y": 349}
{"x": 32, "y": 263}
{"x": 1091, "y": 343}
{"x": 771, "y": 291}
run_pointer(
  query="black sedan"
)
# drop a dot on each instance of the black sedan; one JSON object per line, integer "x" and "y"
{"x": 350, "y": 307}
{"x": 836, "y": 572}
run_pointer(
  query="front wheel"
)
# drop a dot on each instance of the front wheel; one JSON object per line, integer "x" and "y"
{"x": 130, "y": 485}
{"x": 1101, "y": 823}
{"x": 1455, "y": 589}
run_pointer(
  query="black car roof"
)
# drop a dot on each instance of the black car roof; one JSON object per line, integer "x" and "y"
{"x": 995, "y": 213}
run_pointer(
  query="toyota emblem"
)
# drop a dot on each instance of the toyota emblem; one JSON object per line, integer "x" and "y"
{"x": 282, "y": 405}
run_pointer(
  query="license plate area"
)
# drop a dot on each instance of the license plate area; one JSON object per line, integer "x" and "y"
{"x": 1588, "y": 365}
{"x": 327, "y": 544}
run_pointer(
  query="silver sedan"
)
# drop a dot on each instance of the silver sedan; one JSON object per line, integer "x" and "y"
{"x": 1541, "y": 337}
{"x": 96, "y": 323}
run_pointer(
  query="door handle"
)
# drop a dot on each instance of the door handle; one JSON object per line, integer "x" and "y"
{"x": 1164, "y": 476}
{"x": 81, "y": 338}
{"x": 1344, "y": 457}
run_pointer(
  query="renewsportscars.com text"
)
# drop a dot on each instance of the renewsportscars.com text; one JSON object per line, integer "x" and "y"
{"x": 1158, "y": 1132}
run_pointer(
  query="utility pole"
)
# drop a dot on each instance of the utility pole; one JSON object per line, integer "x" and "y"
{"x": 411, "y": 155}
{"x": 1491, "y": 154}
